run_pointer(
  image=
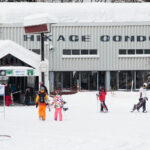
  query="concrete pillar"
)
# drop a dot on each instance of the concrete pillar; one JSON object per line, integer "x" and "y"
{"x": 51, "y": 78}
{"x": 62, "y": 81}
{"x": 47, "y": 83}
{"x": 134, "y": 80}
{"x": 80, "y": 80}
{"x": 97, "y": 80}
{"x": 107, "y": 80}
{"x": 117, "y": 80}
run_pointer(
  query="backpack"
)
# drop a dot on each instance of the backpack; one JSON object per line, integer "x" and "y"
{"x": 42, "y": 97}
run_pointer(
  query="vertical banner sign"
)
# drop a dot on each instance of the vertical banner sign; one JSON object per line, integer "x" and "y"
{"x": 2, "y": 93}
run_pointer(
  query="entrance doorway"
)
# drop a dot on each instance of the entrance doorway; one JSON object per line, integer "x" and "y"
{"x": 18, "y": 86}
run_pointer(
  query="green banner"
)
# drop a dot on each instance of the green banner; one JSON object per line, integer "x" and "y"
{"x": 30, "y": 72}
{"x": 9, "y": 72}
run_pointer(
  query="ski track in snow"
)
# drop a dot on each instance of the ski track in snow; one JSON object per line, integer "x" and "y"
{"x": 83, "y": 126}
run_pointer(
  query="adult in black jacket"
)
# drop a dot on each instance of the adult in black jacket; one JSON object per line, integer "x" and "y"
{"x": 27, "y": 96}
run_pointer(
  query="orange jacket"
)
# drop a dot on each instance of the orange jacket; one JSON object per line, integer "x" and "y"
{"x": 38, "y": 97}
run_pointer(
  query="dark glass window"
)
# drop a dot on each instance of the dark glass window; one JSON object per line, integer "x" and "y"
{"x": 131, "y": 51}
{"x": 84, "y": 52}
{"x": 147, "y": 51}
{"x": 75, "y": 52}
{"x": 139, "y": 51}
{"x": 66, "y": 52}
{"x": 36, "y": 51}
{"x": 122, "y": 52}
{"x": 93, "y": 52}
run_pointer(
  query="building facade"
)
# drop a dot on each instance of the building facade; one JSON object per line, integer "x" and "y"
{"x": 86, "y": 56}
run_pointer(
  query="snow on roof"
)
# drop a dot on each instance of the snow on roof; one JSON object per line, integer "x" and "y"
{"x": 14, "y": 68}
{"x": 27, "y": 56}
{"x": 38, "y": 19}
{"x": 76, "y": 12}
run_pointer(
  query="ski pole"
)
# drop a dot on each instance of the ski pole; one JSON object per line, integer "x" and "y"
{"x": 97, "y": 101}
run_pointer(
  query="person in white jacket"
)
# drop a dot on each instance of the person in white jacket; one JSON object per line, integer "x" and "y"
{"x": 142, "y": 100}
{"x": 143, "y": 97}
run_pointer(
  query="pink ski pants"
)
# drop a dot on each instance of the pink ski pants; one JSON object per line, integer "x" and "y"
{"x": 58, "y": 111}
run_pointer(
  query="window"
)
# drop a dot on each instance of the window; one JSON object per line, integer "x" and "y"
{"x": 131, "y": 51}
{"x": 93, "y": 51}
{"x": 139, "y": 51}
{"x": 36, "y": 51}
{"x": 147, "y": 51}
{"x": 66, "y": 52}
{"x": 83, "y": 52}
{"x": 122, "y": 52}
{"x": 135, "y": 52}
{"x": 75, "y": 52}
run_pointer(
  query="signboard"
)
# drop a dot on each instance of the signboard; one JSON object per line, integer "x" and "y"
{"x": 36, "y": 28}
{"x": 4, "y": 78}
{"x": 19, "y": 72}
{"x": 30, "y": 72}
{"x": 43, "y": 66}
{"x": 2, "y": 72}
{"x": 2, "y": 90}
{"x": 14, "y": 72}
{"x": 9, "y": 72}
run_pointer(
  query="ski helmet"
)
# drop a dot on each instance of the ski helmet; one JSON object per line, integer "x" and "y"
{"x": 145, "y": 84}
{"x": 57, "y": 92}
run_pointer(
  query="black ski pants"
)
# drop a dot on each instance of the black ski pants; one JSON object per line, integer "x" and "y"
{"x": 142, "y": 104}
{"x": 103, "y": 106}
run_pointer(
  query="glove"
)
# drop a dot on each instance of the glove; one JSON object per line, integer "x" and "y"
{"x": 64, "y": 102}
{"x": 65, "y": 109}
{"x": 36, "y": 105}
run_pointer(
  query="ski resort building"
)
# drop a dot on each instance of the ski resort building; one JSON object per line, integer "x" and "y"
{"x": 88, "y": 45}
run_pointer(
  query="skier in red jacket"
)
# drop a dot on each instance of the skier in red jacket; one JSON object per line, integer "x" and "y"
{"x": 102, "y": 100}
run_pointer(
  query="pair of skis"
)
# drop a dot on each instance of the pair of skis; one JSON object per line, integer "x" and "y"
{"x": 2, "y": 137}
{"x": 138, "y": 106}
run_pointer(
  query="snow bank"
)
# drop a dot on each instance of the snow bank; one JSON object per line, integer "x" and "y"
{"x": 82, "y": 128}
{"x": 77, "y": 12}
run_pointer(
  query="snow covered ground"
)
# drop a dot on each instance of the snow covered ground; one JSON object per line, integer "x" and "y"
{"x": 82, "y": 128}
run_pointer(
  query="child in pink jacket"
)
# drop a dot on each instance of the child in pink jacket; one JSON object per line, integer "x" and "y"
{"x": 58, "y": 104}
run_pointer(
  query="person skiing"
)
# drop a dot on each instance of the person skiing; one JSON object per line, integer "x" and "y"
{"x": 142, "y": 100}
{"x": 58, "y": 105}
{"x": 41, "y": 101}
{"x": 7, "y": 95}
{"x": 102, "y": 100}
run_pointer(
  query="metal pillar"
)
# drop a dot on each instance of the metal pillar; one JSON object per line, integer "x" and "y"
{"x": 42, "y": 56}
